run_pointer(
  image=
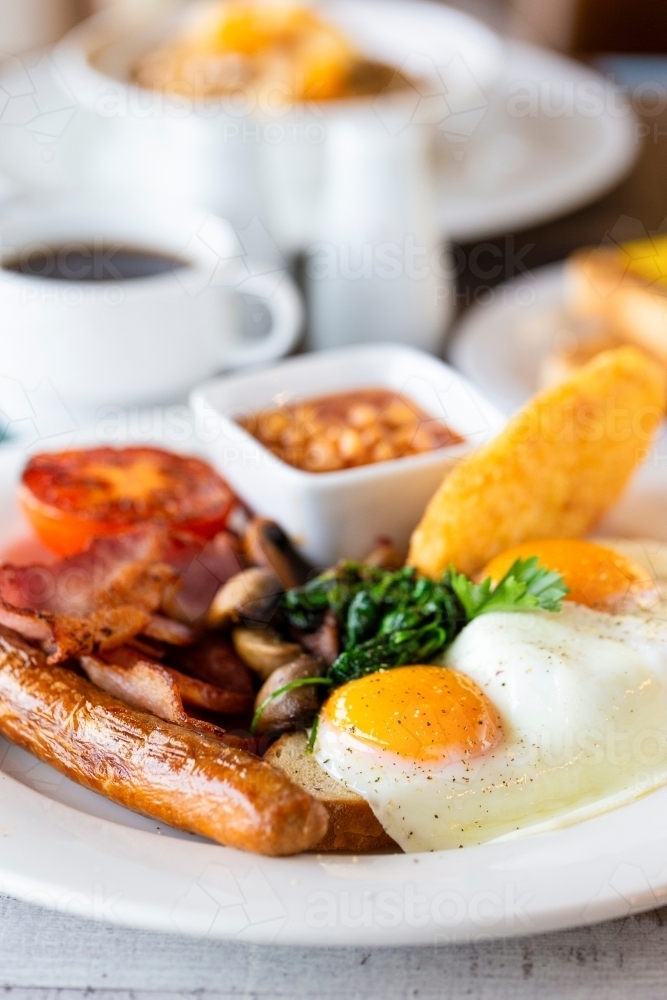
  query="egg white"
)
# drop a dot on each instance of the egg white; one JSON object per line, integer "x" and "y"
{"x": 582, "y": 698}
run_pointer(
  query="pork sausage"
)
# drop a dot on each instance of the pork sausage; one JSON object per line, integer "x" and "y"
{"x": 183, "y": 778}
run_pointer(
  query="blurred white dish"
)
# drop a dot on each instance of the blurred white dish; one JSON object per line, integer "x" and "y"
{"x": 332, "y": 515}
{"x": 511, "y": 171}
{"x": 378, "y": 271}
{"x": 245, "y": 158}
{"x": 500, "y": 345}
{"x": 141, "y": 339}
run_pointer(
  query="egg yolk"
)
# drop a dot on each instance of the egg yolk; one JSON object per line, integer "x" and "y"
{"x": 596, "y": 576}
{"x": 417, "y": 712}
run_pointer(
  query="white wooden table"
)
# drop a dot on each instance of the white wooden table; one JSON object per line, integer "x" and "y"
{"x": 46, "y": 956}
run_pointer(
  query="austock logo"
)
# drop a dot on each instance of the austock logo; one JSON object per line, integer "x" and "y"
{"x": 34, "y": 97}
{"x": 429, "y": 99}
{"x": 30, "y": 416}
{"x": 410, "y": 906}
{"x": 632, "y": 893}
{"x": 223, "y": 904}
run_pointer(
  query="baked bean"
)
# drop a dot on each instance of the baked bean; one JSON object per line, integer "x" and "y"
{"x": 348, "y": 429}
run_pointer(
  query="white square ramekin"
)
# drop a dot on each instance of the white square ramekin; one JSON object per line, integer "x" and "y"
{"x": 335, "y": 515}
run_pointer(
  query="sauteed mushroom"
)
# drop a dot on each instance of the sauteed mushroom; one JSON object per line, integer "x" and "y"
{"x": 251, "y": 594}
{"x": 384, "y": 555}
{"x": 266, "y": 544}
{"x": 294, "y": 708}
{"x": 263, "y": 650}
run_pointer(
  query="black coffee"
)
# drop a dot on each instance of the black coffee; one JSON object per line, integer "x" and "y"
{"x": 92, "y": 262}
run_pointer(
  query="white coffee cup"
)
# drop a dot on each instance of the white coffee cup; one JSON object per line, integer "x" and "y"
{"x": 138, "y": 340}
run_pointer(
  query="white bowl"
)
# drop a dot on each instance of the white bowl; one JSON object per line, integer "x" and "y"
{"x": 246, "y": 159}
{"x": 334, "y": 515}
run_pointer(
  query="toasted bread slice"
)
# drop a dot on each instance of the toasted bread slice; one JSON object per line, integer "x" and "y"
{"x": 352, "y": 826}
{"x": 615, "y": 286}
{"x": 561, "y": 362}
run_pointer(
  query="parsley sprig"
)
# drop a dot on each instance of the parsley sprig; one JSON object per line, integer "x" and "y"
{"x": 525, "y": 587}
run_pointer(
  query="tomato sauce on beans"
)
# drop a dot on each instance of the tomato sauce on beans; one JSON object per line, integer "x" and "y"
{"x": 348, "y": 429}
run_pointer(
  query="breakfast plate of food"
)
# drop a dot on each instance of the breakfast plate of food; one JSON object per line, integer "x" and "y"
{"x": 203, "y": 732}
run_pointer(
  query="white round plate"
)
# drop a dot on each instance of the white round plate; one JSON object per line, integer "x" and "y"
{"x": 553, "y": 136}
{"x": 501, "y": 342}
{"x": 70, "y": 850}
{"x": 556, "y": 136}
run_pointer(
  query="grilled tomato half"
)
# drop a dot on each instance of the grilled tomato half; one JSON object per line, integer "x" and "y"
{"x": 70, "y": 497}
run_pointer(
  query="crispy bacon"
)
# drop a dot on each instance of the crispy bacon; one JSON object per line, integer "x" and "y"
{"x": 30, "y": 624}
{"x": 112, "y": 591}
{"x": 202, "y": 569}
{"x": 163, "y": 691}
{"x": 97, "y": 599}
{"x": 150, "y": 687}
{"x": 199, "y": 694}
{"x": 115, "y": 571}
{"x": 62, "y": 636}
{"x": 145, "y": 685}
{"x": 222, "y": 699}
{"x": 102, "y": 629}
{"x": 214, "y": 660}
{"x": 166, "y": 630}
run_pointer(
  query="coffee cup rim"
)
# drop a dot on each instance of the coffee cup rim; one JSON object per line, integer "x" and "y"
{"x": 205, "y": 241}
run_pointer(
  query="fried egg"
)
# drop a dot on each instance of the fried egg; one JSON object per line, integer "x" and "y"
{"x": 530, "y": 720}
{"x": 596, "y": 575}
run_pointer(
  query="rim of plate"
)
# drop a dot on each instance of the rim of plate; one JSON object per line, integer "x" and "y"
{"x": 500, "y": 342}
{"x": 542, "y": 195}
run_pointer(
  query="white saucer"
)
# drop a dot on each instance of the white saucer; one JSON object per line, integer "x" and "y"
{"x": 558, "y": 135}
{"x": 513, "y": 169}
{"x": 500, "y": 343}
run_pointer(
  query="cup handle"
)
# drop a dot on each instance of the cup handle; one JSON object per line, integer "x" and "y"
{"x": 285, "y": 308}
